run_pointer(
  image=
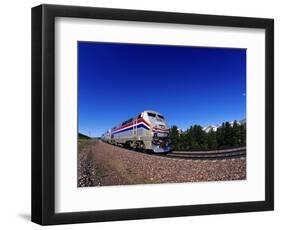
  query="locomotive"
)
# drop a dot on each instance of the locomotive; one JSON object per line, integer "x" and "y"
{"x": 147, "y": 131}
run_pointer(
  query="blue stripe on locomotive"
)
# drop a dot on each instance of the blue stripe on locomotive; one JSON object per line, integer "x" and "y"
{"x": 127, "y": 129}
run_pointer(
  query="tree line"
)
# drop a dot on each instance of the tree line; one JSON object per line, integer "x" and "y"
{"x": 195, "y": 138}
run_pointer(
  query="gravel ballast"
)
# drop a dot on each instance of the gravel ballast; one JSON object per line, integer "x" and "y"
{"x": 101, "y": 164}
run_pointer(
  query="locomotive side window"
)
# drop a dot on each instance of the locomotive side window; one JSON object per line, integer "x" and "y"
{"x": 160, "y": 116}
{"x": 130, "y": 120}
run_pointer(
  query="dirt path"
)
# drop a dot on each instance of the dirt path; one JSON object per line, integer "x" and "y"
{"x": 111, "y": 165}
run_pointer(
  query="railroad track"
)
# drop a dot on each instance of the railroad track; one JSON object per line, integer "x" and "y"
{"x": 216, "y": 154}
{"x": 200, "y": 155}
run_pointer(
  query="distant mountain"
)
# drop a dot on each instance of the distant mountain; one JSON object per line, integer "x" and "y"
{"x": 208, "y": 128}
{"x": 180, "y": 131}
{"x": 82, "y": 136}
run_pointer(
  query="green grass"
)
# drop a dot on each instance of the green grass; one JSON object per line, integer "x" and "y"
{"x": 83, "y": 143}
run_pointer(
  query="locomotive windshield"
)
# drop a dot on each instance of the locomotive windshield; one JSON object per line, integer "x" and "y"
{"x": 158, "y": 117}
{"x": 151, "y": 114}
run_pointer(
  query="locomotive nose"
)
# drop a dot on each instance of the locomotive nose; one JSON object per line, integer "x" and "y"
{"x": 162, "y": 127}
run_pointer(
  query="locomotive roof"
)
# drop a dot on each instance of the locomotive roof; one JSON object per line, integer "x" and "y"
{"x": 152, "y": 111}
{"x": 145, "y": 111}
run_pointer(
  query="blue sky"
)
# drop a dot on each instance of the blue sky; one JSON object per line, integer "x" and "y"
{"x": 188, "y": 85}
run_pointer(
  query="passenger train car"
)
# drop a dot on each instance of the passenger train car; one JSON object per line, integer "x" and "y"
{"x": 147, "y": 131}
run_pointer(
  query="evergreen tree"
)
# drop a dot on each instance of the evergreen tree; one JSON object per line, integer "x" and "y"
{"x": 212, "y": 140}
{"x": 243, "y": 135}
{"x": 195, "y": 138}
{"x": 174, "y": 137}
{"x": 220, "y": 135}
{"x": 235, "y": 133}
{"x": 227, "y": 134}
{"x": 198, "y": 138}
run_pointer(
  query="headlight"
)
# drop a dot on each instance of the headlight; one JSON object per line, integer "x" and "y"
{"x": 162, "y": 134}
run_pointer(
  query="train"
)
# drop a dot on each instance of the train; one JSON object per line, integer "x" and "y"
{"x": 147, "y": 131}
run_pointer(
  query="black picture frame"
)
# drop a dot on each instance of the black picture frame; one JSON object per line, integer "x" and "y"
{"x": 43, "y": 114}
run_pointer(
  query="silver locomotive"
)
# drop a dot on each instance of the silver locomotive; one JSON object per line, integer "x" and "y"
{"x": 147, "y": 131}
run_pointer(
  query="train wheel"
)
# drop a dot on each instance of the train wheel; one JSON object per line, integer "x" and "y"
{"x": 149, "y": 151}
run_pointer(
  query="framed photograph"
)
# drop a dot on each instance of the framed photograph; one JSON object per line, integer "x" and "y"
{"x": 142, "y": 114}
